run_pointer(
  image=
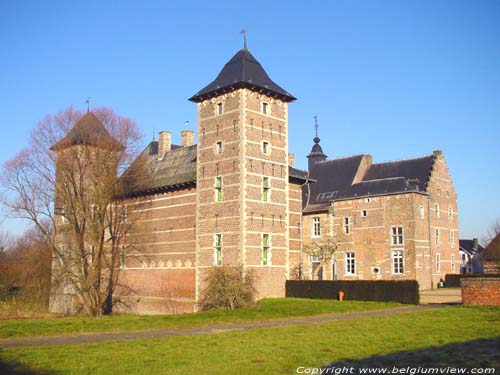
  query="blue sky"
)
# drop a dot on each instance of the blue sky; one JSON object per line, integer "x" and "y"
{"x": 394, "y": 79}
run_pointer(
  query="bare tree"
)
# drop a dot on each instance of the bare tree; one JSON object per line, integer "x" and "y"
{"x": 490, "y": 256}
{"x": 66, "y": 183}
{"x": 320, "y": 253}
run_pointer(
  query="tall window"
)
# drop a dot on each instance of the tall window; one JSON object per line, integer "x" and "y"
{"x": 265, "y": 147}
{"x": 123, "y": 254}
{"x": 218, "y": 249}
{"x": 397, "y": 262}
{"x": 421, "y": 210}
{"x": 437, "y": 236}
{"x": 266, "y": 249}
{"x": 316, "y": 227}
{"x": 219, "y": 108}
{"x": 347, "y": 225}
{"x": 218, "y": 189}
{"x": 265, "y": 108}
{"x": 452, "y": 237}
{"x": 316, "y": 267}
{"x": 350, "y": 263}
{"x": 438, "y": 263}
{"x": 436, "y": 211}
{"x": 218, "y": 147}
{"x": 266, "y": 189}
{"x": 450, "y": 213}
{"x": 397, "y": 237}
{"x": 452, "y": 262}
{"x": 123, "y": 215}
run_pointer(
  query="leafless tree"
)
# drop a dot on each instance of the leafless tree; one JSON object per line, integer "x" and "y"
{"x": 68, "y": 189}
{"x": 321, "y": 253}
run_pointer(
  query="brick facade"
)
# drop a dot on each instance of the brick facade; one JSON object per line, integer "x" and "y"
{"x": 481, "y": 291}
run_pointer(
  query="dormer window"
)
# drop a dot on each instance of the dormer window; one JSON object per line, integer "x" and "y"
{"x": 219, "y": 108}
{"x": 265, "y": 108}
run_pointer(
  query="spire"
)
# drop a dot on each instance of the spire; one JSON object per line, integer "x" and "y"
{"x": 244, "y": 33}
{"x": 316, "y": 153}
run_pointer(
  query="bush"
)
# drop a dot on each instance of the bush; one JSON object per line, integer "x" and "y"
{"x": 404, "y": 291}
{"x": 228, "y": 288}
{"x": 452, "y": 280}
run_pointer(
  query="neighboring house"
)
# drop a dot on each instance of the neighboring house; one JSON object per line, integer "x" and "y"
{"x": 490, "y": 257}
{"x": 235, "y": 198}
{"x": 470, "y": 256}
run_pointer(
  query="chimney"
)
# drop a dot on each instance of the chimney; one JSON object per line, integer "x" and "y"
{"x": 164, "y": 144}
{"x": 475, "y": 244}
{"x": 291, "y": 159}
{"x": 187, "y": 138}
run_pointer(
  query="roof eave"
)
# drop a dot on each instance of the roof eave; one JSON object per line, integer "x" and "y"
{"x": 200, "y": 97}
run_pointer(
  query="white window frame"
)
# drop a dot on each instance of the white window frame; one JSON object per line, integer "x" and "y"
{"x": 453, "y": 266}
{"x": 346, "y": 225}
{"x": 397, "y": 235}
{"x": 437, "y": 236}
{"x": 437, "y": 212}
{"x": 450, "y": 213}
{"x": 398, "y": 262}
{"x": 364, "y": 213}
{"x": 316, "y": 227}
{"x": 421, "y": 210}
{"x": 350, "y": 263}
{"x": 219, "y": 148}
{"x": 452, "y": 237}
{"x": 438, "y": 262}
{"x": 218, "y": 256}
{"x": 266, "y": 262}
{"x": 219, "y": 196}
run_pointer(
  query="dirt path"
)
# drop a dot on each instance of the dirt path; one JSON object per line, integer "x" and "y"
{"x": 84, "y": 338}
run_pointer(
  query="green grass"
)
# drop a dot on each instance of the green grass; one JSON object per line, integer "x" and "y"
{"x": 267, "y": 309}
{"x": 277, "y": 350}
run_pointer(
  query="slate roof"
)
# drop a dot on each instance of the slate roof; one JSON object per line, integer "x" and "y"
{"x": 177, "y": 169}
{"x": 88, "y": 131}
{"x": 468, "y": 246}
{"x": 335, "y": 179}
{"x": 243, "y": 70}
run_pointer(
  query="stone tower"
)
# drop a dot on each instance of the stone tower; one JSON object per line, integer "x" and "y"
{"x": 242, "y": 175}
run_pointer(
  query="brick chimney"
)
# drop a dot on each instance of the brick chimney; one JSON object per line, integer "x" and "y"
{"x": 475, "y": 244}
{"x": 291, "y": 159}
{"x": 187, "y": 138}
{"x": 164, "y": 143}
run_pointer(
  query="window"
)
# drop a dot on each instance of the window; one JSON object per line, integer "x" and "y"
{"x": 447, "y": 194}
{"x": 266, "y": 249}
{"x": 421, "y": 211}
{"x": 350, "y": 263}
{"x": 347, "y": 225}
{"x": 122, "y": 256}
{"x": 364, "y": 213}
{"x": 218, "y": 249}
{"x": 453, "y": 263}
{"x": 218, "y": 189}
{"x": 452, "y": 236}
{"x": 438, "y": 263}
{"x": 316, "y": 227}
{"x": 397, "y": 262}
{"x": 266, "y": 189}
{"x": 437, "y": 236}
{"x": 316, "y": 267}
{"x": 450, "y": 213}
{"x": 123, "y": 215}
{"x": 219, "y": 108}
{"x": 218, "y": 147}
{"x": 397, "y": 237}
{"x": 436, "y": 211}
{"x": 265, "y": 147}
{"x": 265, "y": 107}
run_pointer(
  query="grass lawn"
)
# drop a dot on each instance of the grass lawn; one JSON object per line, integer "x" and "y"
{"x": 280, "y": 350}
{"x": 267, "y": 309}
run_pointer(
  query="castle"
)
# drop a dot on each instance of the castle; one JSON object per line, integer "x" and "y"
{"x": 235, "y": 198}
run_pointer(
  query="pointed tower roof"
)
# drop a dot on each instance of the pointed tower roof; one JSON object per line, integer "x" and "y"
{"x": 88, "y": 131}
{"x": 243, "y": 70}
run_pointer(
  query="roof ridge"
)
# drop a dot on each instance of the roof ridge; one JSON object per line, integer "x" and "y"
{"x": 341, "y": 158}
{"x": 400, "y": 160}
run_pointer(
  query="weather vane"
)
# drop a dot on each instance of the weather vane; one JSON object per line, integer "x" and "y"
{"x": 316, "y": 126}
{"x": 244, "y": 33}
{"x": 88, "y": 103}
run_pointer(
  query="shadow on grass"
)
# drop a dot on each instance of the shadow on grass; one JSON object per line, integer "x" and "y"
{"x": 471, "y": 354}
{"x": 14, "y": 368}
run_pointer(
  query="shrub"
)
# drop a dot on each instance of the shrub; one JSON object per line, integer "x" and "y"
{"x": 404, "y": 291}
{"x": 228, "y": 288}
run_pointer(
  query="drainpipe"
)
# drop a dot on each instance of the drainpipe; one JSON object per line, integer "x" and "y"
{"x": 430, "y": 239}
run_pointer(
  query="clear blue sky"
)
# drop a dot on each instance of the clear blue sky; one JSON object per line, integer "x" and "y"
{"x": 394, "y": 79}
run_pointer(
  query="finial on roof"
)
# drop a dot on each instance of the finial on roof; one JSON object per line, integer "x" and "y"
{"x": 316, "y": 126}
{"x": 88, "y": 104}
{"x": 154, "y": 134}
{"x": 244, "y": 33}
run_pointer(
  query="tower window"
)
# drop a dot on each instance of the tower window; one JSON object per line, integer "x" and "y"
{"x": 265, "y": 108}
{"x": 438, "y": 263}
{"x": 122, "y": 256}
{"x": 266, "y": 189}
{"x": 364, "y": 213}
{"x": 265, "y": 147}
{"x": 218, "y": 249}
{"x": 397, "y": 237}
{"x": 219, "y": 108}
{"x": 218, "y": 189}
{"x": 436, "y": 211}
{"x": 347, "y": 225}
{"x": 350, "y": 263}
{"x": 397, "y": 262}
{"x": 450, "y": 213}
{"x": 266, "y": 249}
{"x": 452, "y": 237}
{"x": 316, "y": 227}
{"x": 437, "y": 236}
{"x": 218, "y": 147}
{"x": 422, "y": 211}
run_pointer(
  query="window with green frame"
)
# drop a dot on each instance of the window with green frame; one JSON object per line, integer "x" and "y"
{"x": 218, "y": 189}
{"x": 218, "y": 249}
{"x": 266, "y": 189}
{"x": 266, "y": 249}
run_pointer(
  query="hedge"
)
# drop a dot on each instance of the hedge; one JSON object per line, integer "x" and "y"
{"x": 404, "y": 291}
{"x": 452, "y": 280}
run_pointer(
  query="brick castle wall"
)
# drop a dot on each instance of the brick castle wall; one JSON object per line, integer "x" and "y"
{"x": 481, "y": 291}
